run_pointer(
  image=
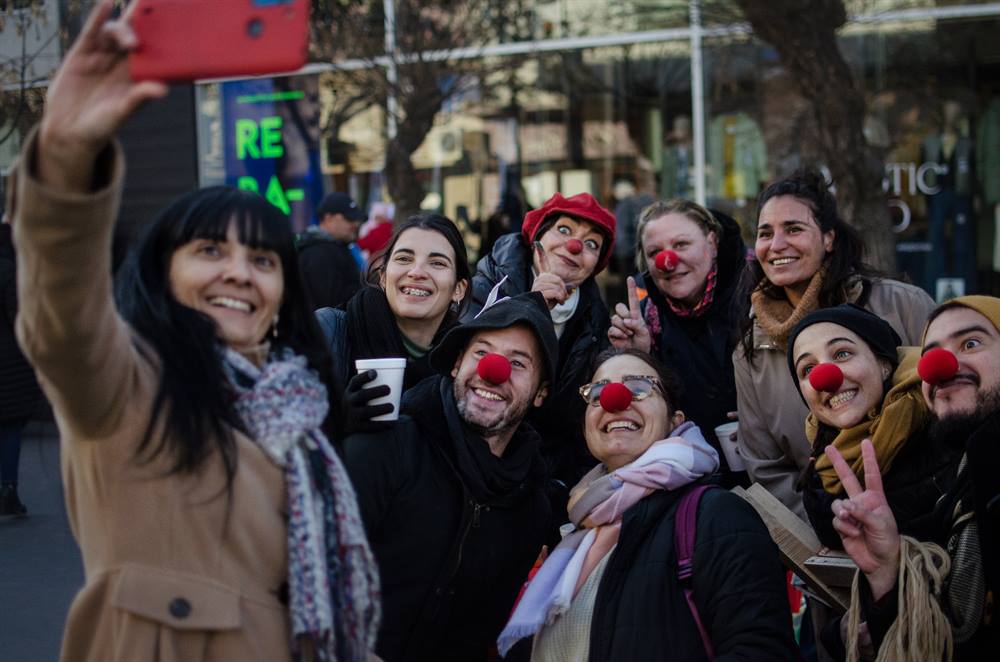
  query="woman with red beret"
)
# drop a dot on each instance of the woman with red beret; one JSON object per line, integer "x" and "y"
{"x": 562, "y": 246}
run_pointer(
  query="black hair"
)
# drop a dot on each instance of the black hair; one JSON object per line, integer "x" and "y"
{"x": 671, "y": 383}
{"x": 844, "y": 264}
{"x": 447, "y": 229}
{"x": 193, "y": 397}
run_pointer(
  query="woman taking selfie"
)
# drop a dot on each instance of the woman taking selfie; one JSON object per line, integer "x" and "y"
{"x": 613, "y": 588}
{"x": 422, "y": 280}
{"x": 808, "y": 258}
{"x": 561, "y": 248}
{"x": 691, "y": 260}
{"x": 214, "y": 520}
{"x": 860, "y": 384}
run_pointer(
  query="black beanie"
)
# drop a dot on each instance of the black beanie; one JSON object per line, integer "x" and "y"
{"x": 529, "y": 309}
{"x": 881, "y": 338}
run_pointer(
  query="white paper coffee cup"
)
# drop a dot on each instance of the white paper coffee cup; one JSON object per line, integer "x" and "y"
{"x": 390, "y": 372}
{"x": 729, "y": 447}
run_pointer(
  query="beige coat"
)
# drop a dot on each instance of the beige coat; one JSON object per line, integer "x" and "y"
{"x": 772, "y": 432}
{"x": 174, "y": 569}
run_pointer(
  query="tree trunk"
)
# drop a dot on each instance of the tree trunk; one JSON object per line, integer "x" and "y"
{"x": 416, "y": 121}
{"x": 804, "y": 34}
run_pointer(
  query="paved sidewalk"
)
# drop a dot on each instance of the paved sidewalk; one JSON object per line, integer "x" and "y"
{"x": 40, "y": 567}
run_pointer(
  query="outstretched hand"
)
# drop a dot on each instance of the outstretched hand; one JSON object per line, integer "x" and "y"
{"x": 551, "y": 286}
{"x": 90, "y": 97}
{"x": 865, "y": 522}
{"x": 628, "y": 330}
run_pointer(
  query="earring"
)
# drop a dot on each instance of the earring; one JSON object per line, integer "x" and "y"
{"x": 274, "y": 328}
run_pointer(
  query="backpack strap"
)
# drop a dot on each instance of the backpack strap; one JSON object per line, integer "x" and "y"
{"x": 685, "y": 528}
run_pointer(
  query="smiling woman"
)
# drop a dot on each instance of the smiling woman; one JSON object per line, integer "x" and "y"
{"x": 611, "y": 590}
{"x": 808, "y": 258}
{"x": 422, "y": 280}
{"x": 878, "y": 398}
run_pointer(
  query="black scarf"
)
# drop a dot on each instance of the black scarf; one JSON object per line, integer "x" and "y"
{"x": 372, "y": 333}
{"x": 497, "y": 481}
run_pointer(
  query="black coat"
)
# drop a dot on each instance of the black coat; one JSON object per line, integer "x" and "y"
{"x": 739, "y": 587}
{"x": 922, "y": 472}
{"x": 700, "y": 349}
{"x": 329, "y": 271}
{"x": 560, "y": 419}
{"x": 451, "y": 568}
{"x": 19, "y": 392}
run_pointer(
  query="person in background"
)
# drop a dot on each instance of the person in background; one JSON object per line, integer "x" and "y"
{"x": 611, "y": 589}
{"x": 377, "y": 231}
{"x": 628, "y": 207}
{"x": 690, "y": 260}
{"x": 452, "y": 495}
{"x": 860, "y": 384}
{"x": 913, "y": 600}
{"x": 214, "y": 518}
{"x": 19, "y": 392}
{"x": 808, "y": 258}
{"x": 562, "y": 246}
{"x": 329, "y": 269}
{"x": 416, "y": 291}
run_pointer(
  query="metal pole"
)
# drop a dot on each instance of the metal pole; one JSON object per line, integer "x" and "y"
{"x": 697, "y": 103}
{"x": 392, "y": 73}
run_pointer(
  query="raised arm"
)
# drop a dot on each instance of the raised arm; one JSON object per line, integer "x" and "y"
{"x": 68, "y": 186}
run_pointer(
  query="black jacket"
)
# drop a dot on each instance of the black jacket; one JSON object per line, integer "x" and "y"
{"x": 451, "y": 568}
{"x": 560, "y": 419}
{"x": 922, "y": 472}
{"x": 738, "y": 582}
{"x": 19, "y": 392}
{"x": 330, "y": 274}
{"x": 976, "y": 490}
{"x": 700, "y": 349}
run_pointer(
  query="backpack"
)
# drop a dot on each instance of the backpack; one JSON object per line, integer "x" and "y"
{"x": 685, "y": 528}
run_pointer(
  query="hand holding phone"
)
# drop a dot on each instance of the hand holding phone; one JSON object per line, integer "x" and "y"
{"x": 184, "y": 40}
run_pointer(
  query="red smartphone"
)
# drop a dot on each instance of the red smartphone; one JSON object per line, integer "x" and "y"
{"x": 183, "y": 40}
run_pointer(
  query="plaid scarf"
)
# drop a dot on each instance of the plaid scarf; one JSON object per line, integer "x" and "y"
{"x": 332, "y": 578}
{"x": 699, "y": 309}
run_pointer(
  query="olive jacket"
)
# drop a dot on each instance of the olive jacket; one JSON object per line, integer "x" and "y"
{"x": 176, "y": 569}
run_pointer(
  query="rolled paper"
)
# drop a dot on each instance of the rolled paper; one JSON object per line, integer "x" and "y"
{"x": 615, "y": 397}
{"x": 826, "y": 377}
{"x": 494, "y": 368}
{"x": 667, "y": 260}
{"x": 936, "y": 366}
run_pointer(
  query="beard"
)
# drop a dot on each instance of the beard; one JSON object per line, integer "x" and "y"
{"x": 955, "y": 429}
{"x": 487, "y": 423}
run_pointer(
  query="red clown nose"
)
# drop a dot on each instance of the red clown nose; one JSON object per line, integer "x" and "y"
{"x": 574, "y": 246}
{"x": 936, "y": 366}
{"x": 615, "y": 397}
{"x": 494, "y": 368}
{"x": 826, "y": 377}
{"x": 667, "y": 260}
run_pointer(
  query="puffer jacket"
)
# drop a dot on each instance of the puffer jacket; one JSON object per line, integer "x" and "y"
{"x": 559, "y": 420}
{"x": 738, "y": 582}
{"x": 451, "y": 567}
{"x": 772, "y": 431}
{"x": 700, "y": 349}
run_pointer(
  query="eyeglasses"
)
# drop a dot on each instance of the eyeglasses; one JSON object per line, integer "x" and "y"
{"x": 641, "y": 387}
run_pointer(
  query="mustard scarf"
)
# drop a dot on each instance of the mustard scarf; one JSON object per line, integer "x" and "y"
{"x": 902, "y": 414}
{"x": 777, "y": 317}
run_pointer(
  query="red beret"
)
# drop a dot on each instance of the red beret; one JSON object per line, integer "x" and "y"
{"x": 582, "y": 206}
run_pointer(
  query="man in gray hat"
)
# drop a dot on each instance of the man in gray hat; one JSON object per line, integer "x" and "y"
{"x": 452, "y": 496}
{"x": 330, "y": 273}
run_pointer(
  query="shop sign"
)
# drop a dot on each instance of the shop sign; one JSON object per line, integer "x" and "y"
{"x": 919, "y": 178}
{"x": 264, "y": 150}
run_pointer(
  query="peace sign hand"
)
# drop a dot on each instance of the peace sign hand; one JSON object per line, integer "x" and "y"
{"x": 551, "y": 286}
{"x": 865, "y": 522}
{"x": 628, "y": 330}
